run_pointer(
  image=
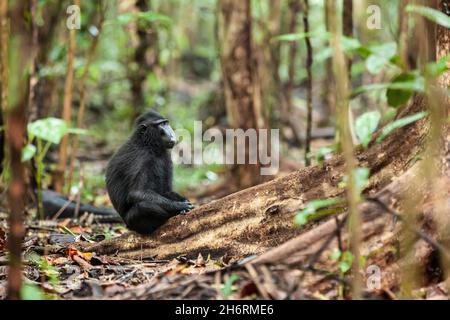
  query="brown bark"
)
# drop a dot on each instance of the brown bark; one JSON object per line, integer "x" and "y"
{"x": 242, "y": 92}
{"x": 347, "y": 17}
{"x": 16, "y": 137}
{"x": 329, "y": 83}
{"x": 289, "y": 114}
{"x": 309, "y": 84}
{"x": 4, "y": 31}
{"x": 145, "y": 58}
{"x": 44, "y": 86}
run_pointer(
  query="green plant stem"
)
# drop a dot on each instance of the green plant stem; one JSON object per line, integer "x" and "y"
{"x": 39, "y": 159}
{"x": 340, "y": 71}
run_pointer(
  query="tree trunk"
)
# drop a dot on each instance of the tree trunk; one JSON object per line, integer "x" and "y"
{"x": 145, "y": 58}
{"x": 4, "y": 31}
{"x": 44, "y": 86}
{"x": 16, "y": 138}
{"x": 242, "y": 92}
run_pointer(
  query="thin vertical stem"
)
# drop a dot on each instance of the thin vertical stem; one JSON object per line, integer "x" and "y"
{"x": 340, "y": 70}
{"x": 309, "y": 62}
{"x": 67, "y": 110}
{"x": 81, "y": 110}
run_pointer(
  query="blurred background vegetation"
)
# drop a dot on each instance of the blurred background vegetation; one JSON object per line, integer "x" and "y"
{"x": 165, "y": 55}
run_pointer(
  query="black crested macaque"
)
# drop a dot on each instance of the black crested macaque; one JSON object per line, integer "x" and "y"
{"x": 139, "y": 176}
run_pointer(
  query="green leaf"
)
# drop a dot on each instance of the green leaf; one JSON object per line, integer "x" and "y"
{"x": 298, "y": 36}
{"x": 431, "y": 14}
{"x": 28, "y": 152}
{"x": 227, "y": 289}
{"x": 302, "y": 216}
{"x": 51, "y": 130}
{"x": 78, "y": 131}
{"x": 398, "y": 96}
{"x": 361, "y": 178}
{"x": 362, "y": 261}
{"x": 336, "y": 254}
{"x": 417, "y": 85}
{"x": 346, "y": 261}
{"x": 151, "y": 16}
{"x": 31, "y": 292}
{"x": 321, "y": 153}
{"x": 400, "y": 123}
{"x": 435, "y": 69}
{"x": 48, "y": 129}
{"x": 148, "y": 16}
{"x": 381, "y": 55}
{"x": 126, "y": 18}
{"x": 365, "y": 125}
{"x": 349, "y": 45}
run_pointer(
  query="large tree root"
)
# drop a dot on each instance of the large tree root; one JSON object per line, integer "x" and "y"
{"x": 259, "y": 218}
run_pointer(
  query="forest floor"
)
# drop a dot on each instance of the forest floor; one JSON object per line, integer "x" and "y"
{"x": 63, "y": 272}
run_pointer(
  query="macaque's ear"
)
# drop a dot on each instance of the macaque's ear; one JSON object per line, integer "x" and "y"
{"x": 142, "y": 128}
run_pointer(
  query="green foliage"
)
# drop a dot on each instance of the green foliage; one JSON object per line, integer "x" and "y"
{"x": 46, "y": 132}
{"x": 431, "y": 14}
{"x": 365, "y": 125}
{"x": 227, "y": 288}
{"x": 315, "y": 209}
{"x": 397, "y": 97}
{"x": 360, "y": 176}
{"x": 28, "y": 152}
{"x": 191, "y": 177}
{"x": 380, "y": 56}
{"x": 30, "y": 291}
{"x": 435, "y": 69}
{"x": 50, "y": 130}
{"x": 47, "y": 269}
{"x": 299, "y": 36}
{"x": 411, "y": 83}
{"x": 387, "y": 130}
{"x": 321, "y": 154}
{"x": 143, "y": 17}
{"x": 345, "y": 260}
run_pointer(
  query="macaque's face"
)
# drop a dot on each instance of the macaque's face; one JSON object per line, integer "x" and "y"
{"x": 157, "y": 130}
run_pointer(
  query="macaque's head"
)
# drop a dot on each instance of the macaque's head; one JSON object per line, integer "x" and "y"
{"x": 154, "y": 130}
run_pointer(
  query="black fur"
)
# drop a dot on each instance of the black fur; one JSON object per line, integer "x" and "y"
{"x": 139, "y": 176}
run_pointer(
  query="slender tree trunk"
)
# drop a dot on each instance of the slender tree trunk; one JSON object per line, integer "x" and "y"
{"x": 19, "y": 75}
{"x": 45, "y": 86}
{"x": 59, "y": 174}
{"x": 145, "y": 59}
{"x": 347, "y": 17}
{"x": 242, "y": 96}
{"x": 4, "y": 31}
{"x": 403, "y": 20}
{"x": 329, "y": 84}
{"x": 82, "y": 90}
{"x": 343, "y": 87}
{"x": 309, "y": 83}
